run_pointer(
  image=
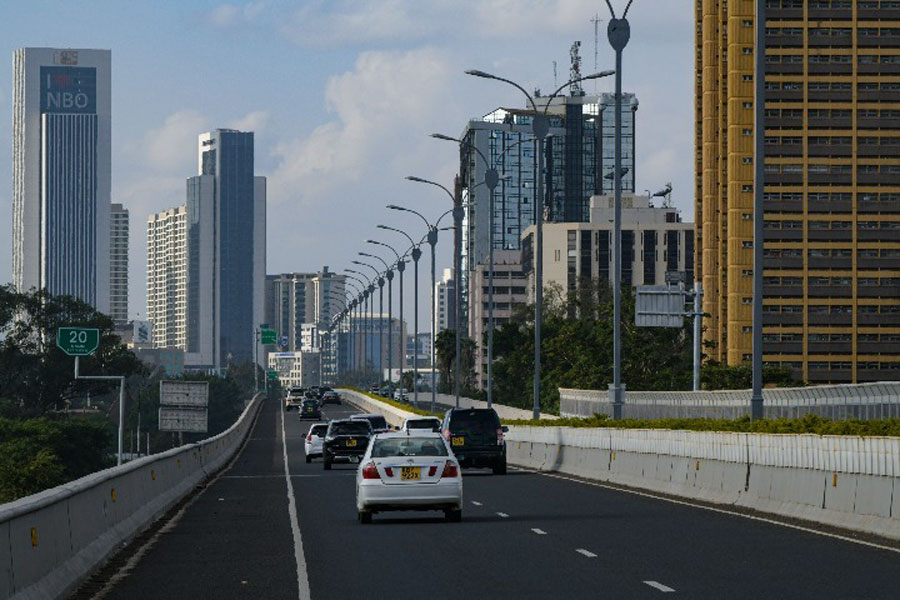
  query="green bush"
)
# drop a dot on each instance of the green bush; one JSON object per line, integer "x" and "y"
{"x": 400, "y": 405}
{"x": 808, "y": 424}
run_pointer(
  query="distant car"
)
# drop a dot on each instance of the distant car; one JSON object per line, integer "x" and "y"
{"x": 315, "y": 391}
{"x": 385, "y": 392}
{"x": 378, "y": 422}
{"x": 331, "y": 397}
{"x": 314, "y": 438}
{"x": 408, "y": 471}
{"x": 476, "y": 437}
{"x": 310, "y": 409}
{"x": 401, "y": 395}
{"x": 374, "y": 389}
{"x": 294, "y": 398}
{"x": 345, "y": 439}
{"x": 418, "y": 424}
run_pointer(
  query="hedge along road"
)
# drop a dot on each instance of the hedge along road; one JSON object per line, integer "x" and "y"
{"x": 523, "y": 535}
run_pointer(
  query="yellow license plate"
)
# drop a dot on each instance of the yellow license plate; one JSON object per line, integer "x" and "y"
{"x": 351, "y": 442}
{"x": 408, "y": 473}
{"x": 457, "y": 440}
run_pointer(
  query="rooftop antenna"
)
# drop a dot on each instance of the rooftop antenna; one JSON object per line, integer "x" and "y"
{"x": 575, "y": 70}
{"x": 555, "y": 84}
{"x": 596, "y": 20}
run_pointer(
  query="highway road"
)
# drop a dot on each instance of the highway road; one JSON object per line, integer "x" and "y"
{"x": 525, "y": 535}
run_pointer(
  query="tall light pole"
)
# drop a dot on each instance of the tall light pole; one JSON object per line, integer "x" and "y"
{"x": 432, "y": 238}
{"x": 356, "y": 304}
{"x": 389, "y": 275}
{"x": 491, "y": 179}
{"x": 379, "y": 278}
{"x": 416, "y": 254}
{"x": 366, "y": 293}
{"x": 457, "y": 224}
{"x": 540, "y": 127}
{"x": 401, "y": 267}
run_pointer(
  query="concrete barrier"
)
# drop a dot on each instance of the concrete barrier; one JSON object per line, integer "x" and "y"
{"x": 503, "y": 411}
{"x": 51, "y": 541}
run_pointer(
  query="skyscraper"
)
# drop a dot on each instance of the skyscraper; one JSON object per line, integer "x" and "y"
{"x": 832, "y": 185}
{"x": 607, "y": 154}
{"x": 297, "y": 299}
{"x": 167, "y": 267}
{"x": 61, "y": 172}
{"x": 118, "y": 263}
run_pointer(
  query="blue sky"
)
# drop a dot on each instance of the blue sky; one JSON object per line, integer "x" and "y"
{"x": 342, "y": 95}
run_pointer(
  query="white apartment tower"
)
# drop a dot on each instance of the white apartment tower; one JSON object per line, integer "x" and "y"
{"x": 118, "y": 263}
{"x": 167, "y": 267}
{"x": 445, "y": 302}
{"x": 61, "y": 172}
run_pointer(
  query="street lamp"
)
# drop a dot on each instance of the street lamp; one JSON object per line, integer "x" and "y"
{"x": 457, "y": 223}
{"x": 431, "y": 237}
{"x": 379, "y": 278}
{"x": 416, "y": 254}
{"x": 401, "y": 267}
{"x": 366, "y": 292}
{"x": 491, "y": 179}
{"x": 389, "y": 274}
{"x": 354, "y": 306}
{"x": 540, "y": 126}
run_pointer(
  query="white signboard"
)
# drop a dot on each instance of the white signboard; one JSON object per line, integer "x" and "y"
{"x": 183, "y": 405}
{"x": 182, "y": 418}
{"x": 659, "y": 306}
{"x": 184, "y": 393}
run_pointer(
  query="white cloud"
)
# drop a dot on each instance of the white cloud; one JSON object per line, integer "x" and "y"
{"x": 173, "y": 146}
{"x": 253, "y": 121}
{"x": 228, "y": 15}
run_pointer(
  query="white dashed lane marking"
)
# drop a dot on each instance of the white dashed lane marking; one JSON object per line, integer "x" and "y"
{"x": 659, "y": 586}
{"x": 587, "y": 553}
{"x": 539, "y": 531}
{"x": 502, "y": 515}
{"x": 476, "y": 503}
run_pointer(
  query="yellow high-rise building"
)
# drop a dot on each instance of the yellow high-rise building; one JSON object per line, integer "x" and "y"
{"x": 832, "y": 195}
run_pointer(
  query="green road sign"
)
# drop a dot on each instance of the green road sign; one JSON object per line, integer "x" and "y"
{"x": 263, "y": 325}
{"x": 269, "y": 336}
{"x": 78, "y": 341}
{"x": 273, "y": 375}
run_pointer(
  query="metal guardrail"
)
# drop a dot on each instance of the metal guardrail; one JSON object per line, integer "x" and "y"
{"x": 845, "y": 401}
{"x": 52, "y": 540}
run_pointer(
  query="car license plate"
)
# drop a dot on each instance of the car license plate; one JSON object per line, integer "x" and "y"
{"x": 410, "y": 473}
{"x": 351, "y": 442}
{"x": 457, "y": 440}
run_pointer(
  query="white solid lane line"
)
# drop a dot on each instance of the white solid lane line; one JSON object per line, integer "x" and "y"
{"x": 659, "y": 586}
{"x": 503, "y": 515}
{"x": 476, "y": 503}
{"x": 587, "y": 553}
{"x": 539, "y": 531}
{"x": 299, "y": 558}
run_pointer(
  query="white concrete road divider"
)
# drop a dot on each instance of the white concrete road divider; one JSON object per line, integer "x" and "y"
{"x": 843, "y": 481}
{"x": 51, "y": 541}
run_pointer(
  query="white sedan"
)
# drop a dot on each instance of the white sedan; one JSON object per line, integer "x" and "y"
{"x": 314, "y": 438}
{"x": 408, "y": 471}
{"x": 419, "y": 424}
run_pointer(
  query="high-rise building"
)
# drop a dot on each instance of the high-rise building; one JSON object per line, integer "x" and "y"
{"x": 296, "y": 299}
{"x": 607, "y": 154}
{"x": 226, "y": 206}
{"x": 445, "y": 302}
{"x": 167, "y": 277}
{"x": 61, "y": 172}
{"x": 118, "y": 263}
{"x": 832, "y": 185}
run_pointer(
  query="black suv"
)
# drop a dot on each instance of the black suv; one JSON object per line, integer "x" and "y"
{"x": 345, "y": 438}
{"x": 310, "y": 409}
{"x": 476, "y": 437}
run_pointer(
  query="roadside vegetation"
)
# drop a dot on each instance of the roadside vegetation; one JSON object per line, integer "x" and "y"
{"x": 408, "y": 407}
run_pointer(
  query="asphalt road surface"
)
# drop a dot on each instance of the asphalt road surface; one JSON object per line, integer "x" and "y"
{"x": 523, "y": 535}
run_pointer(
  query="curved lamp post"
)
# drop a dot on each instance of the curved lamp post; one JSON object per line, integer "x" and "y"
{"x": 379, "y": 278}
{"x": 389, "y": 275}
{"x": 366, "y": 294}
{"x": 540, "y": 126}
{"x": 401, "y": 267}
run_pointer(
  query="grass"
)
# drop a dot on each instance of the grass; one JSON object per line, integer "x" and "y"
{"x": 392, "y": 402}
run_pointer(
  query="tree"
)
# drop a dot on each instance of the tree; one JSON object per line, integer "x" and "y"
{"x": 445, "y": 349}
{"x": 37, "y": 377}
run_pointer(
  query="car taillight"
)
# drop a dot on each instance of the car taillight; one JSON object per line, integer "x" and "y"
{"x": 446, "y": 434}
{"x": 450, "y": 469}
{"x": 388, "y": 471}
{"x": 309, "y": 438}
{"x": 432, "y": 470}
{"x": 370, "y": 471}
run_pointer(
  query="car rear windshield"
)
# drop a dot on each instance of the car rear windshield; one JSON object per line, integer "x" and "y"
{"x": 409, "y": 447}
{"x": 350, "y": 428}
{"x": 378, "y": 422}
{"x": 310, "y": 403}
{"x": 430, "y": 424}
{"x": 319, "y": 430}
{"x": 480, "y": 421}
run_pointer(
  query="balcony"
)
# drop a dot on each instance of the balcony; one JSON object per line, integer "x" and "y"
{"x": 879, "y": 347}
{"x": 877, "y": 123}
{"x": 829, "y": 375}
{"x": 783, "y": 319}
{"x": 831, "y": 262}
{"x": 883, "y": 320}
{"x": 844, "y": 319}
{"x": 879, "y": 69}
{"x": 878, "y": 291}
{"x": 877, "y": 178}
{"x": 831, "y": 206}
{"x": 783, "y": 41}
{"x": 830, "y": 41}
{"x": 868, "y": 375}
{"x": 784, "y": 122}
{"x": 784, "y": 178}
{"x": 830, "y": 347}
{"x": 874, "y": 41}
{"x": 783, "y": 347}
{"x": 830, "y": 96}
{"x": 875, "y": 207}
{"x": 783, "y": 262}
{"x": 829, "y": 123}
{"x": 784, "y": 95}
{"x": 784, "y": 235}
{"x": 783, "y": 206}
{"x": 830, "y": 291}
{"x": 830, "y": 235}
{"x": 784, "y": 150}
{"x": 836, "y": 150}
{"x": 830, "y": 179}
{"x": 784, "y": 14}
{"x": 827, "y": 14}
{"x": 889, "y": 264}
{"x": 782, "y": 291}
{"x": 877, "y": 96}
{"x": 830, "y": 68}
{"x": 881, "y": 150}
{"x": 878, "y": 235}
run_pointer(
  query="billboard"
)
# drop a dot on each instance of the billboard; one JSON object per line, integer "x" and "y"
{"x": 69, "y": 90}
{"x": 183, "y": 405}
{"x": 143, "y": 332}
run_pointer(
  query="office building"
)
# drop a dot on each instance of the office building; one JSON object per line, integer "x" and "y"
{"x": 509, "y": 293}
{"x": 297, "y": 369}
{"x": 296, "y": 299}
{"x": 167, "y": 277}
{"x": 832, "y": 185}
{"x": 607, "y": 154}
{"x": 370, "y": 343}
{"x": 445, "y": 302}
{"x": 418, "y": 350}
{"x": 118, "y": 263}
{"x": 61, "y": 172}
{"x": 654, "y": 242}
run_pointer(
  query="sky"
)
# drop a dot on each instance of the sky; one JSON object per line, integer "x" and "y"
{"x": 342, "y": 96}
